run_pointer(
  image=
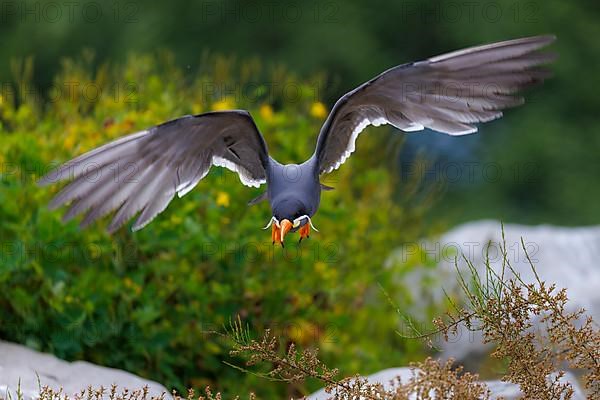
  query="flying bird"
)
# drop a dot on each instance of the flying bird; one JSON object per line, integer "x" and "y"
{"x": 449, "y": 93}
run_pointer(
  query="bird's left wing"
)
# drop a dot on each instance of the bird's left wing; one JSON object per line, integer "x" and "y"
{"x": 447, "y": 93}
{"x": 144, "y": 171}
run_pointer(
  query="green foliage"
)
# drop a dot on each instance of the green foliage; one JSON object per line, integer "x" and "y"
{"x": 147, "y": 301}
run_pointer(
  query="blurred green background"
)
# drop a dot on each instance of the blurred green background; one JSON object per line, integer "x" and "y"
{"x": 76, "y": 74}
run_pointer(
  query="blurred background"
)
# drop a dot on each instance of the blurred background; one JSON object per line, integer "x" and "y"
{"x": 76, "y": 74}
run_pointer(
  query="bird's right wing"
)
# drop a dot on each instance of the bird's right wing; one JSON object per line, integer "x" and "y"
{"x": 448, "y": 93}
{"x": 144, "y": 171}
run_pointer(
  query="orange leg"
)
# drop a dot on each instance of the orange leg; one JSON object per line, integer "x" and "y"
{"x": 304, "y": 232}
{"x": 275, "y": 234}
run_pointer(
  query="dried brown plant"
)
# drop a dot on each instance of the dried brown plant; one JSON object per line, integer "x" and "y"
{"x": 531, "y": 328}
{"x": 47, "y": 393}
{"x": 431, "y": 379}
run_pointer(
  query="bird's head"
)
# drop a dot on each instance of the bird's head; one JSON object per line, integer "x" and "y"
{"x": 289, "y": 215}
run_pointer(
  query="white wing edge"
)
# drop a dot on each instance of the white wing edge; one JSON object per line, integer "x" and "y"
{"x": 244, "y": 175}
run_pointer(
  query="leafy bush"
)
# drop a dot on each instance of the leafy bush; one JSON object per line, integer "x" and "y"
{"x": 147, "y": 301}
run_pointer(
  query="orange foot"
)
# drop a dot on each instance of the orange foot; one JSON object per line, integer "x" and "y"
{"x": 275, "y": 234}
{"x": 304, "y": 232}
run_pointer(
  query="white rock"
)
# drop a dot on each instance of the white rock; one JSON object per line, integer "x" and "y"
{"x": 507, "y": 391}
{"x": 21, "y": 364}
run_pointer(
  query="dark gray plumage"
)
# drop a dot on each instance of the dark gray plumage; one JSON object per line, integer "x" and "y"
{"x": 142, "y": 172}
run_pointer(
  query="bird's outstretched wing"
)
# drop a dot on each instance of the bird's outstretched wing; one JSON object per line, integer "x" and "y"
{"x": 447, "y": 93}
{"x": 144, "y": 171}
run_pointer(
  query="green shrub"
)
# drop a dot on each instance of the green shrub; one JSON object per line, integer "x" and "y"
{"x": 146, "y": 301}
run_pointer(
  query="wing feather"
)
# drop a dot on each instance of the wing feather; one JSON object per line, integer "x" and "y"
{"x": 449, "y": 93}
{"x": 142, "y": 172}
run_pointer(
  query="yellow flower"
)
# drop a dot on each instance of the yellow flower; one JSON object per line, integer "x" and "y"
{"x": 24, "y": 113}
{"x": 318, "y": 110}
{"x": 325, "y": 271}
{"x": 320, "y": 267}
{"x": 225, "y": 103}
{"x": 223, "y": 199}
{"x": 197, "y": 108}
{"x": 175, "y": 219}
{"x": 69, "y": 142}
{"x": 266, "y": 112}
{"x": 303, "y": 332}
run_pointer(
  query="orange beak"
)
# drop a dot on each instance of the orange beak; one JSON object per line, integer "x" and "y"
{"x": 286, "y": 225}
{"x": 278, "y": 233}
